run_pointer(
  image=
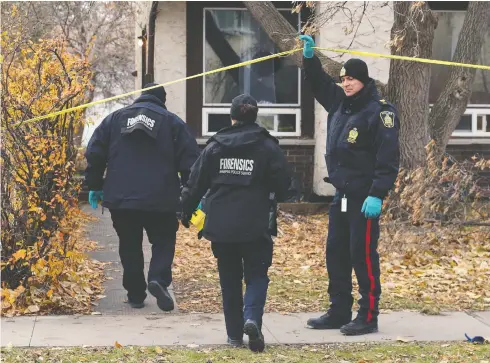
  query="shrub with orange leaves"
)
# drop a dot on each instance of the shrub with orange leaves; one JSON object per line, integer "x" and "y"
{"x": 43, "y": 266}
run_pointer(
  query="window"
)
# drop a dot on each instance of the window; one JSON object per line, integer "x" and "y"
{"x": 475, "y": 121}
{"x": 278, "y": 121}
{"x": 233, "y": 36}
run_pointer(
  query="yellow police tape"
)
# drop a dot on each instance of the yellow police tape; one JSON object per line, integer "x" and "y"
{"x": 400, "y": 57}
{"x": 159, "y": 85}
{"x": 257, "y": 60}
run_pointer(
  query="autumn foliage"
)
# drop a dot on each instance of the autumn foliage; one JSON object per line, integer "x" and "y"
{"x": 447, "y": 192}
{"x": 43, "y": 266}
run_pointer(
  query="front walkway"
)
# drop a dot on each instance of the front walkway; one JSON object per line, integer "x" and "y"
{"x": 104, "y": 234}
{"x": 209, "y": 329}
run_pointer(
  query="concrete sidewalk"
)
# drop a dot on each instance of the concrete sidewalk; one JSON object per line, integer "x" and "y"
{"x": 209, "y": 329}
{"x": 107, "y": 251}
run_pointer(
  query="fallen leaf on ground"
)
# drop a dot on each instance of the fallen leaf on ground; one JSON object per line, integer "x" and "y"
{"x": 428, "y": 269}
{"x": 403, "y": 340}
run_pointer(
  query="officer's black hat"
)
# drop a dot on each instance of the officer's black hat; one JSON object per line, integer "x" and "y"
{"x": 355, "y": 68}
{"x": 158, "y": 92}
{"x": 244, "y": 109}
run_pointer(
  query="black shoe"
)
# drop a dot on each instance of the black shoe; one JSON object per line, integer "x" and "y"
{"x": 359, "y": 326}
{"x": 164, "y": 300}
{"x": 135, "y": 304}
{"x": 255, "y": 338}
{"x": 329, "y": 321}
{"x": 236, "y": 343}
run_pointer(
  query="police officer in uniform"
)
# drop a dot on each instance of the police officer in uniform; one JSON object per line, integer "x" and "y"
{"x": 362, "y": 160}
{"x": 240, "y": 166}
{"x": 143, "y": 147}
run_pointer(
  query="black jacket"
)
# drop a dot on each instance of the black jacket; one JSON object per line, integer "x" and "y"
{"x": 239, "y": 168}
{"x": 143, "y": 147}
{"x": 362, "y": 152}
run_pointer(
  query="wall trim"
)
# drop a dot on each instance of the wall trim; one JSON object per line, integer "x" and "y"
{"x": 285, "y": 142}
{"x": 469, "y": 141}
{"x": 311, "y": 142}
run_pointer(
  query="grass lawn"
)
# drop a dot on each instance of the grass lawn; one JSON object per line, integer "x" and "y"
{"x": 398, "y": 352}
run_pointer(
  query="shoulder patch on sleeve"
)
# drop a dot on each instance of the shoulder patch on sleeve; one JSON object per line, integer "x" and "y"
{"x": 384, "y": 102}
{"x": 388, "y": 118}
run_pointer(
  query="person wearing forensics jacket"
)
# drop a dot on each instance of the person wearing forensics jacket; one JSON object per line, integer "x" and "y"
{"x": 239, "y": 169}
{"x": 142, "y": 148}
{"x": 362, "y": 157}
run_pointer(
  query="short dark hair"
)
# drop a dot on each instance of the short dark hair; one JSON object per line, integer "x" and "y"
{"x": 244, "y": 109}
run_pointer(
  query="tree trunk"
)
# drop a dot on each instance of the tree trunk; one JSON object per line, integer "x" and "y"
{"x": 412, "y": 34}
{"x": 283, "y": 34}
{"x": 451, "y": 104}
{"x": 221, "y": 47}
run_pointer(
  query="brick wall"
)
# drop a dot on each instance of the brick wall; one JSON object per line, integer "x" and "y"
{"x": 301, "y": 159}
{"x": 461, "y": 152}
{"x": 466, "y": 152}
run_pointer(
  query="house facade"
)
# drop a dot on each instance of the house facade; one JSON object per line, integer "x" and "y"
{"x": 180, "y": 39}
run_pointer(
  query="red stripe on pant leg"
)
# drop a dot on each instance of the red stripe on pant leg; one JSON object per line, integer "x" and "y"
{"x": 369, "y": 271}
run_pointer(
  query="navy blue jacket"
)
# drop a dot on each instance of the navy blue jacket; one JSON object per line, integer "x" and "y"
{"x": 143, "y": 147}
{"x": 362, "y": 152}
{"x": 239, "y": 169}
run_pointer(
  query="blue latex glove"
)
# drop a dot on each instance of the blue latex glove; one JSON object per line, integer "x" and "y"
{"x": 372, "y": 207}
{"x": 477, "y": 339}
{"x": 94, "y": 196}
{"x": 309, "y": 43}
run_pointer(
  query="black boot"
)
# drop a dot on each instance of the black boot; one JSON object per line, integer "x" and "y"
{"x": 236, "y": 343}
{"x": 255, "y": 338}
{"x": 329, "y": 321}
{"x": 135, "y": 304}
{"x": 164, "y": 300}
{"x": 360, "y": 326}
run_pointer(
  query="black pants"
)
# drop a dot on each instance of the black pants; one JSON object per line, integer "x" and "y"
{"x": 235, "y": 261}
{"x": 161, "y": 230}
{"x": 352, "y": 243}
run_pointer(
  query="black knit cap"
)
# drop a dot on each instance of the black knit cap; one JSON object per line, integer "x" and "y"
{"x": 158, "y": 92}
{"x": 244, "y": 109}
{"x": 355, "y": 68}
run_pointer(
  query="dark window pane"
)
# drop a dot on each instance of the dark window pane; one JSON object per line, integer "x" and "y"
{"x": 287, "y": 123}
{"x": 233, "y": 36}
{"x": 483, "y": 123}
{"x": 464, "y": 124}
{"x": 218, "y": 121}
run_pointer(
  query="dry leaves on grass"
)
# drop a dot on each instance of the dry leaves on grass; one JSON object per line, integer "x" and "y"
{"x": 195, "y": 275}
{"x": 449, "y": 270}
{"x": 353, "y": 352}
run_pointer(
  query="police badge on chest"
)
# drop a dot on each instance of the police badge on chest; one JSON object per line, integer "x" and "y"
{"x": 353, "y": 134}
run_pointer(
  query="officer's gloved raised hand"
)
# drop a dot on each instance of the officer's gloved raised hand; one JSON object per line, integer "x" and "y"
{"x": 309, "y": 43}
{"x": 372, "y": 207}
{"x": 94, "y": 196}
